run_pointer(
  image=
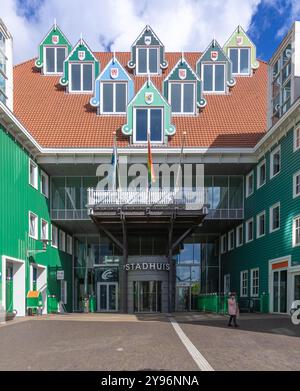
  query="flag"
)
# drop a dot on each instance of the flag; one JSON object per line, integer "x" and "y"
{"x": 151, "y": 174}
{"x": 114, "y": 162}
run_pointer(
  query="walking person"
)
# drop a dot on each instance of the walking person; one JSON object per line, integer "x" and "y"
{"x": 233, "y": 309}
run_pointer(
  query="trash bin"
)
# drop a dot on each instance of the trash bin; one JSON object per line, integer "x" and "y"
{"x": 52, "y": 304}
{"x": 92, "y": 303}
{"x": 34, "y": 302}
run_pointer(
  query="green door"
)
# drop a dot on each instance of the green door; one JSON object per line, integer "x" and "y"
{"x": 9, "y": 289}
{"x": 34, "y": 278}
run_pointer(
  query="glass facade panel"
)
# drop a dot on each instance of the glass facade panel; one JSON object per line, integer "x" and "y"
{"x": 188, "y": 98}
{"x": 142, "y": 60}
{"x": 60, "y": 58}
{"x": 75, "y": 77}
{"x": 176, "y": 97}
{"x": 141, "y": 125}
{"x": 244, "y": 61}
{"x": 50, "y": 63}
{"x": 219, "y": 77}
{"x": 153, "y": 60}
{"x": 156, "y": 124}
{"x": 108, "y": 98}
{"x": 120, "y": 97}
{"x": 208, "y": 77}
{"x": 233, "y": 54}
{"x": 87, "y": 77}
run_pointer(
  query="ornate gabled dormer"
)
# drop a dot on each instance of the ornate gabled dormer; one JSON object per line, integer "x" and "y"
{"x": 183, "y": 89}
{"x": 53, "y": 50}
{"x": 148, "y": 112}
{"x": 147, "y": 54}
{"x": 114, "y": 88}
{"x": 242, "y": 53}
{"x": 215, "y": 69}
{"x": 81, "y": 68}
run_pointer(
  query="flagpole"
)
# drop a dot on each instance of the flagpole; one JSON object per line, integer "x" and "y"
{"x": 115, "y": 161}
{"x": 180, "y": 159}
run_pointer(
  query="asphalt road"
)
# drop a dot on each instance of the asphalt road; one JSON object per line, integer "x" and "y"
{"x": 122, "y": 342}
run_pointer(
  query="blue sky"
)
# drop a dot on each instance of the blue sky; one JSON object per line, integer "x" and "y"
{"x": 182, "y": 25}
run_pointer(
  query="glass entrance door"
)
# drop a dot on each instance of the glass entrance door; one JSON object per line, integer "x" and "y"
{"x": 280, "y": 291}
{"x": 147, "y": 296}
{"x": 183, "y": 298}
{"x": 296, "y": 287}
{"x": 107, "y": 296}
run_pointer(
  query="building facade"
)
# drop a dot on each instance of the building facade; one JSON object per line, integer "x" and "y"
{"x": 90, "y": 224}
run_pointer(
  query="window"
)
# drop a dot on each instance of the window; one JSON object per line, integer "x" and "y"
{"x": 54, "y": 236}
{"x": 55, "y": 57}
{"x": 275, "y": 162}
{"x": 240, "y": 58}
{"x": 114, "y": 98}
{"x": 62, "y": 240}
{"x": 296, "y": 184}
{"x": 223, "y": 244}
{"x": 231, "y": 240}
{"x": 63, "y": 291}
{"x": 226, "y": 284}
{"x": 69, "y": 244}
{"x": 254, "y": 282}
{"x": 182, "y": 98}
{"x": 81, "y": 77}
{"x": 249, "y": 184}
{"x": 147, "y": 60}
{"x": 249, "y": 230}
{"x": 261, "y": 174}
{"x": 261, "y": 224}
{"x": 213, "y": 77}
{"x": 44, "y": 230}
{"x": 33, "y": 225}
{"x": 44, "y": 184}
{"x": 296, "y": 138}
{"x": 148, "y": 120}
{"x": 296, "y": 231}
{"x": 33, "y": 174}
{"x": 239, "y": 235}
{"x": 275, "y": 217}
{"x": 244, "y": 283}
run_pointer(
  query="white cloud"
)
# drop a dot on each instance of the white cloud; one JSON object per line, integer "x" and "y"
{"x": 180, "y": 24}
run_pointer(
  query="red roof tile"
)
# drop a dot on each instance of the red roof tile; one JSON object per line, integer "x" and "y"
{"x": 58, "y": 119}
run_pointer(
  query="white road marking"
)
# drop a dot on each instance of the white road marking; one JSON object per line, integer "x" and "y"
{"x": 200, "y": 360}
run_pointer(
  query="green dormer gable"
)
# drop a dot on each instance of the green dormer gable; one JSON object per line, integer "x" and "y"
{"x": 54, "y": 39}
{"x": 149, "y": 97}
{"x": 81, "y": 53}
{"x": 239, "y": 39}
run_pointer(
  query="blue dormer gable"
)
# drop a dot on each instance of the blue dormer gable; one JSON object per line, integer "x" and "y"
{"x": 174, "y": 88}
{"x": 215, "y": 69}
{"x": 114, "y": 72}
{"x": 147, "y": 53}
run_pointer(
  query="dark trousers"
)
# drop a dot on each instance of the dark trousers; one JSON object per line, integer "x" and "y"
{"x": 232, "y": 317}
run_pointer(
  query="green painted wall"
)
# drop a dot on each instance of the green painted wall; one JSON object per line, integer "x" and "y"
{"x": 273, "y": 245}
{"x": 18, "y": 197}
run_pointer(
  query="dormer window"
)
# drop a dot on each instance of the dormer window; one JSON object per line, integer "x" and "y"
{"x": 240, "y": 58}
{"x": 114, "y": 97}
{"x": 182, "y": 98}
{"x": 81, "y": 77}
{"x": 147, "y": 60}
{"x": 54, "y": 59}
{"x": 148, "y": 120}
{"x": 213, "y": 77}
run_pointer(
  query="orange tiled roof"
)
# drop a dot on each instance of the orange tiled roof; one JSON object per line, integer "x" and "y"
{"x": 57, "y": 119}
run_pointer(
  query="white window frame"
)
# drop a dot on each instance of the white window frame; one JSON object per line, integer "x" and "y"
{"x": 297, "y": 174}
{"x": 258, "y": 235}
{"x": 296, "y": 138}
{"x": 64, "y": 292}
{"x": 275, "y": 150}
{"x": 81, "y": 91}
{"x": 182, "y": 97}
{"x": 69, "y": 244}
{"x": 294, "y": 231}
{"x": 148, "y": 124}
{"x": 45, "y": 71}
{"x": 213, "y": 91}
{"x": 43, "y": 221}
{"x": 114, "y": 97}
{"x": 35, "y": 184}
{"x": 239, "y": 61}
{"x": 252, "y": 271}
{"x": 243, "y": 274}
{"x": 54, "y": 234}
{"x": 263, "y": 162}
{"x": 46, "y": 177}
{"x": 137, "y": 60}
{"x": 62, "y": 240}
{"x": 247, "y": 230}
{"x": 223, "y": 244}
{"x": 230, "y": 233}
{"x": 35, "y": 236}
{"x": 271, "y": 217}
{"x": 239, "y": 238}
{"x": 251, "y": 174}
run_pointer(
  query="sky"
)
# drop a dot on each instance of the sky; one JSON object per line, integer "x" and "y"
{"x": 182, "y": 25}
